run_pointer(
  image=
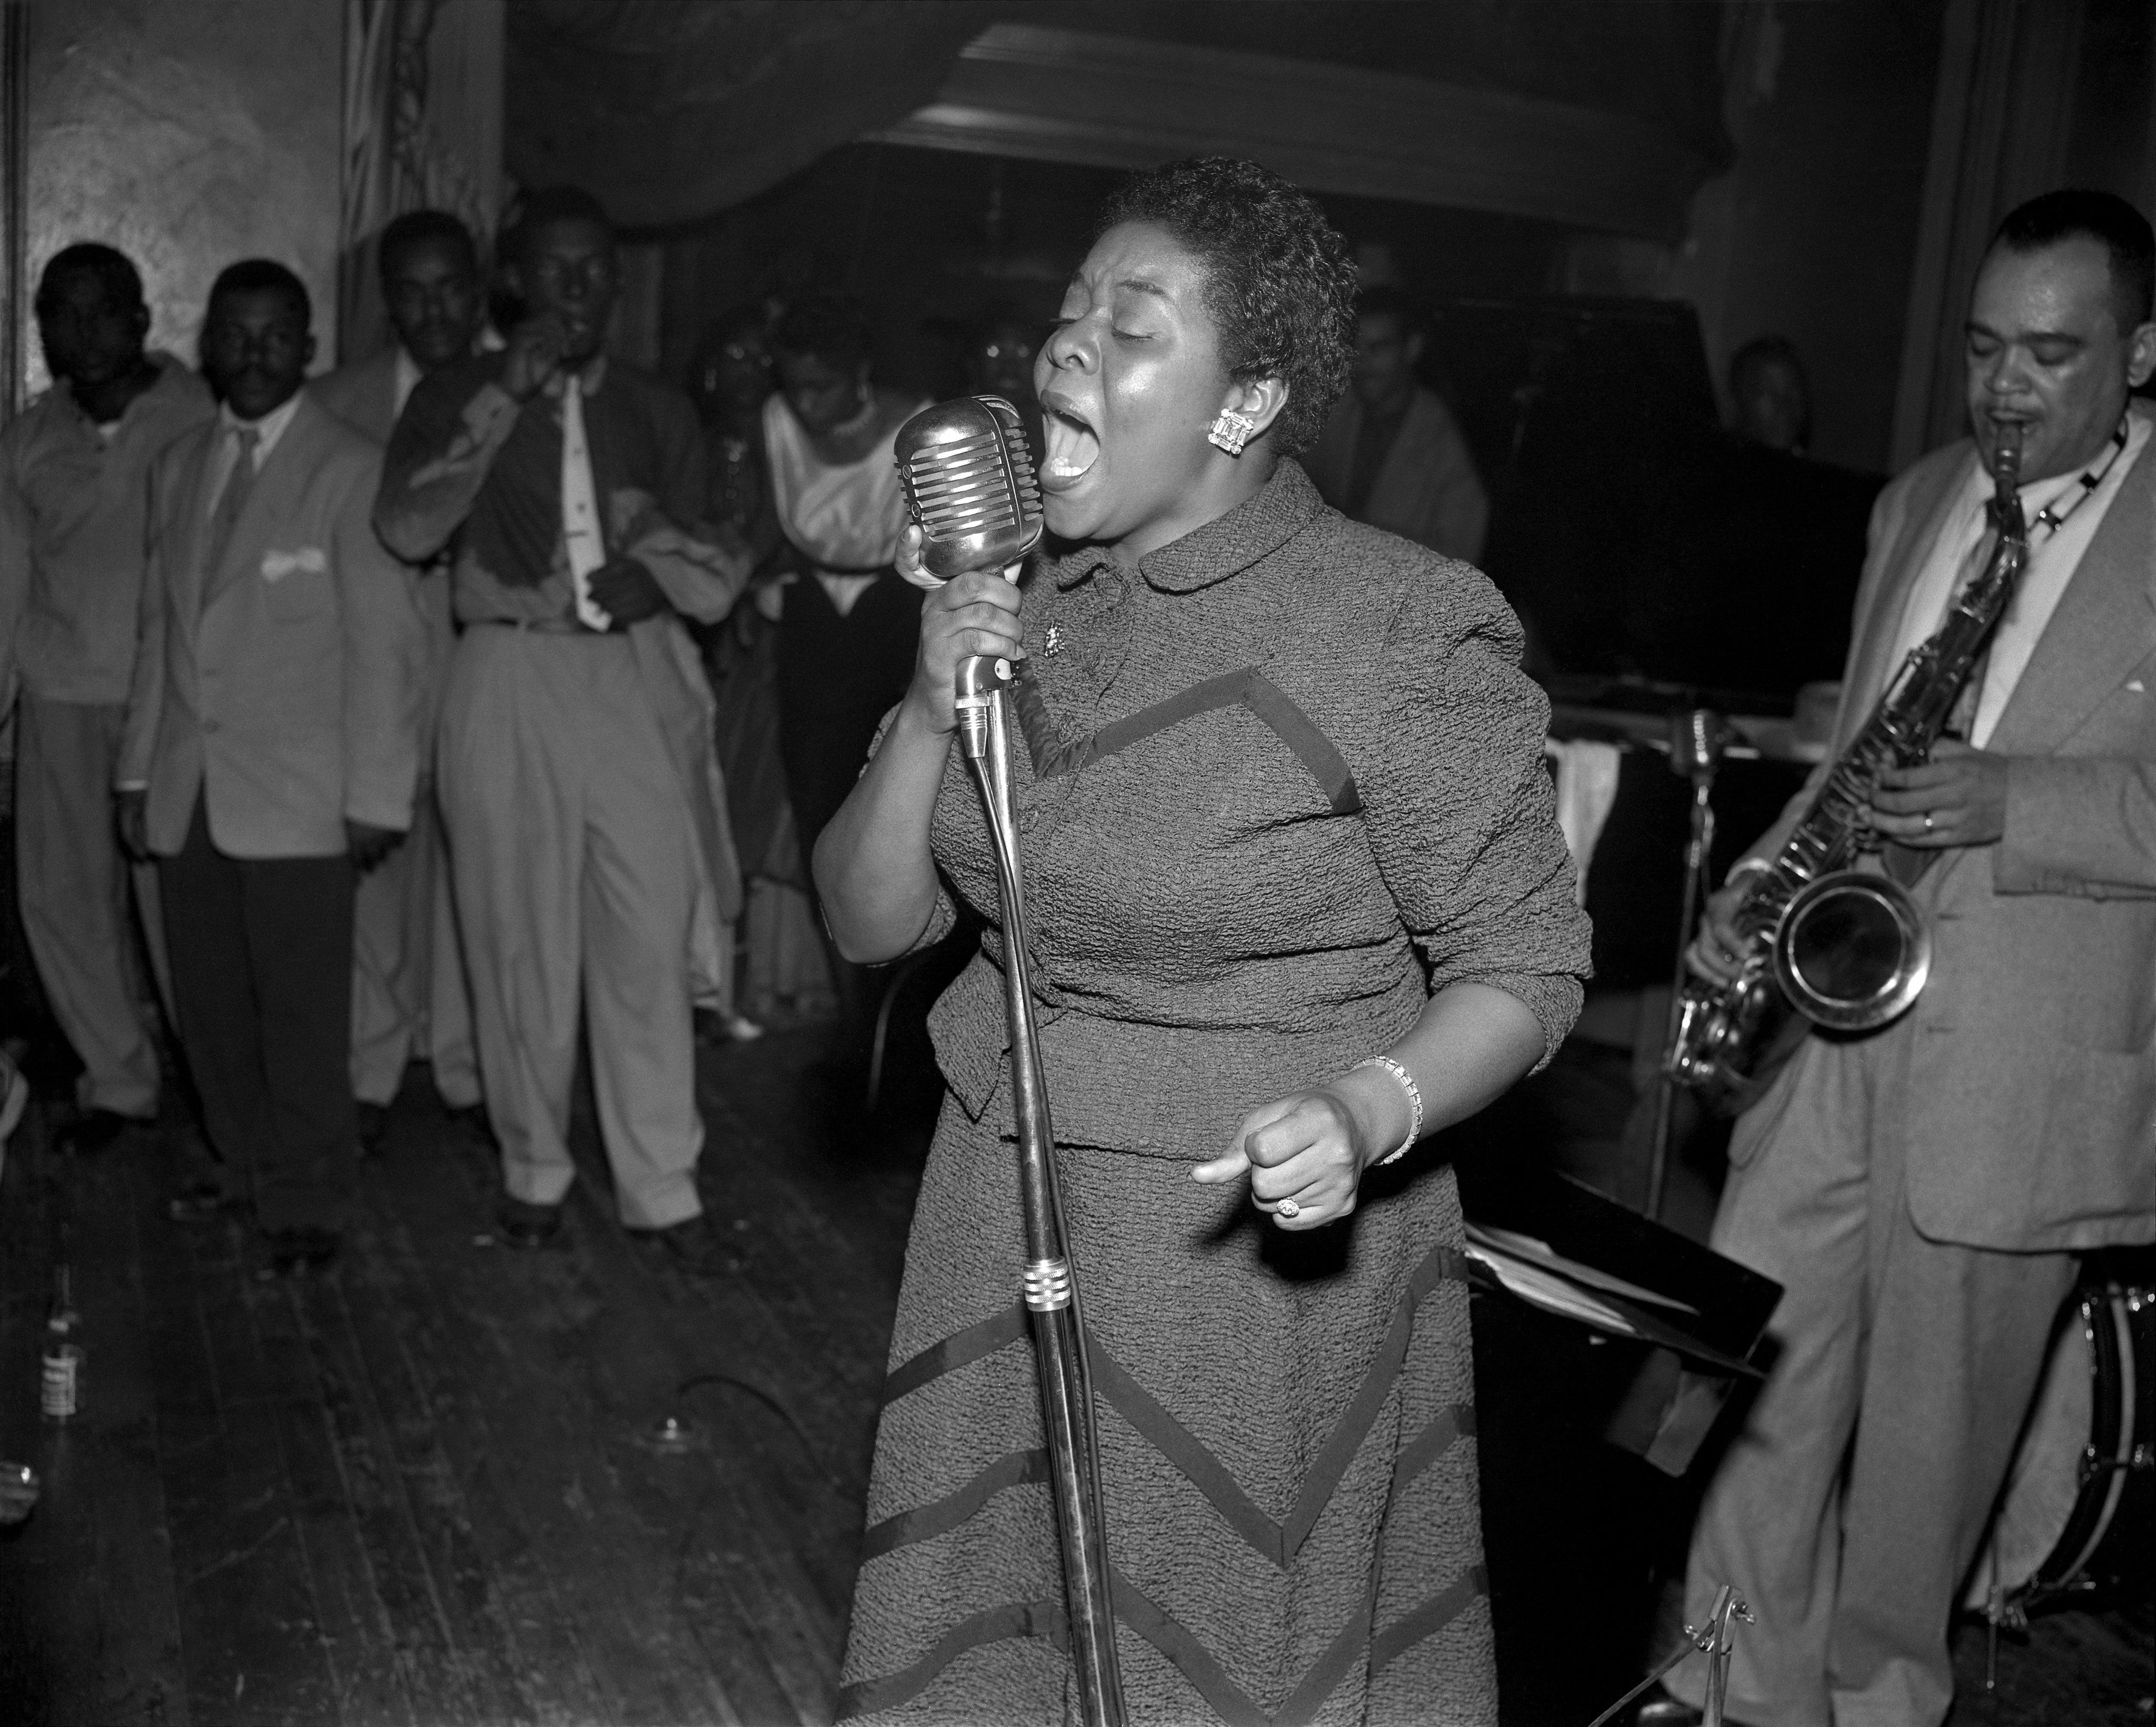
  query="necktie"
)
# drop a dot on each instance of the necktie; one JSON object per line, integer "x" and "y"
{"x": 1906, "y": 864}
{"x": 237, "y": 484}
{"x": 580, "y": 514}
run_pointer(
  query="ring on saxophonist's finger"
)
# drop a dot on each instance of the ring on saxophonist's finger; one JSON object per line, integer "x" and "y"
{"x": 1928, "y": 822}
{"x": 1288, "y": 1208}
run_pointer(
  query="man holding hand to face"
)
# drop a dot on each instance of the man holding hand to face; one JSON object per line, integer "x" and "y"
{"x": 575, "y": 759}
{"x": 270, "y": 750}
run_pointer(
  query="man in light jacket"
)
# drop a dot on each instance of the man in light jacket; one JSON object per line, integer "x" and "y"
{"x": 271, "y": 750}
{"x": 1922, "y": 1192}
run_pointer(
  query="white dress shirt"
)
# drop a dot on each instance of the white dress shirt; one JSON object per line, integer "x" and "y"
{"x": 267, "y": 431}
{"x": 2054, "y": 555}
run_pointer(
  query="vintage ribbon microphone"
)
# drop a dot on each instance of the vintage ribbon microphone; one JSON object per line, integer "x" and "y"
{"x": 969, "y": 483}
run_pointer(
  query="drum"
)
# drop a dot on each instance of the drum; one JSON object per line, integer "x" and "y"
{"x": 2075, "y": 1513}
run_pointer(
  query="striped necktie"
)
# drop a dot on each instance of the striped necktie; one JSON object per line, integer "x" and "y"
{"x": 237, "y": 484}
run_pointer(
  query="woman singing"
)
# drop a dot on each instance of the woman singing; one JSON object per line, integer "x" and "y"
{"x": 1298, "y": 898}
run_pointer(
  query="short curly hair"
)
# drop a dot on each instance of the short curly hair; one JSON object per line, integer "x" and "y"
{"x": 1280, "y": 282}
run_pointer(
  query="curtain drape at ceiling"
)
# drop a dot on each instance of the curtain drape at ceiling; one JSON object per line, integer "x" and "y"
{"x": 421, "y": 128}
{"x": 670, "y": 111}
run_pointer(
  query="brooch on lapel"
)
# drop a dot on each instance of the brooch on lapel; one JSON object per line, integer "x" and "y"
{"x": 1055, "y": 643}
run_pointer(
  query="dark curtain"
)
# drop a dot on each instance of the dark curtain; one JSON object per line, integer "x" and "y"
{"x": 670, "y": 111}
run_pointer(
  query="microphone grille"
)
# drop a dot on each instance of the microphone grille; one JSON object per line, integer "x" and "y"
{"x": 969, "y": 482}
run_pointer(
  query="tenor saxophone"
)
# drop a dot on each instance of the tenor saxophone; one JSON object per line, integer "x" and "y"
{"x": 1824, "y": 943}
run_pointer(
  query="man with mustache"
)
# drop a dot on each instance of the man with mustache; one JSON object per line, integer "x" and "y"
{"x": 578, "y": 782}
{"x": 1922, "y": 1192}
{"x": 73, "y": 470}
{"x": 271, "y": 751}
{"x": 409, "y": 995}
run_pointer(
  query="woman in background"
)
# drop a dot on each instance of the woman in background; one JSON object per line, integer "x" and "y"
{"x": 849, "y": 626}
{"x": 730, "y": 379}
{"x": 1298, "y": 898}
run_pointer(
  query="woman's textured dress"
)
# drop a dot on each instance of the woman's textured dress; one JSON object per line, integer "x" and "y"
{"x": 1285, "y": 778}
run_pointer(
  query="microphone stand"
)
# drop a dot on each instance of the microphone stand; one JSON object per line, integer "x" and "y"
{"x": 1050, "y": 1285}
{"x": 1697, "y": 740}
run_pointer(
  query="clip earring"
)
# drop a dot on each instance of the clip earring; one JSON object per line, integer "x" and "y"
{"x": 1231, "y": 431}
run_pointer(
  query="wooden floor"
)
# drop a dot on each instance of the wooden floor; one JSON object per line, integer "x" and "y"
{"x": 425, "y": 1489}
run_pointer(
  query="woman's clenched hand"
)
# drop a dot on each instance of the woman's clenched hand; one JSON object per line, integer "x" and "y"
{"x": 1310, "y": 1149}
{"x": 969, "y": 614}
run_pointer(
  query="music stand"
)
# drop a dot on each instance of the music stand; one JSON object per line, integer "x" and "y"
{"x": 1692, "y": 1359}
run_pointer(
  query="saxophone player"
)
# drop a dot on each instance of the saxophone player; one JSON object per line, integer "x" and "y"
{"x": 1923, "y": 1191}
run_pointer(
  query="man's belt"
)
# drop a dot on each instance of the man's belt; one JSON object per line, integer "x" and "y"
{"x": 538, "y": 626}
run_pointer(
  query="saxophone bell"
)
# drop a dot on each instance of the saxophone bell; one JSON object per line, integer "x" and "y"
{"x": 1852, "y": 950}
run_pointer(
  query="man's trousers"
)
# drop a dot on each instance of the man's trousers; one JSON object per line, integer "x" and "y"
{"x": 261, "y": 957}
{"x": 408, "y": 994}
{"x": 74, "y": 887}
{"x": 1910, "y": 1361}
{"x": 576, "y": 878}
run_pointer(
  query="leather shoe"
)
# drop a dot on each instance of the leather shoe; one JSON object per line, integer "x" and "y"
{"x": 200, "y": 1201}
{"x": 693, "y": 1245}
{"x": 300, "y": 1252}
{"x": 96, "y": 1130}
{"x": 524, "y": 1225}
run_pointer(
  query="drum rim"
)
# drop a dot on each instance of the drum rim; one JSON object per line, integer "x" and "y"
{"x": 2106, "y": 1315}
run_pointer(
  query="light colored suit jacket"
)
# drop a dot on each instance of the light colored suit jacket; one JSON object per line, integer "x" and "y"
{"x": 283, "y": 686}
{"x": 2030, "y": 1117}
{"x": 1426, "y": 490}
{"x": 363, "y": 395}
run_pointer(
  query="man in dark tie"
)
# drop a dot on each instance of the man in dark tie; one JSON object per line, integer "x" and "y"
{"x": 271, "y": 751}
{"x": 577, "y": 776}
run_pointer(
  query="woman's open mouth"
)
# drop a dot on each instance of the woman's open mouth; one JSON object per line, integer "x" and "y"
{"x": 1073, "y": 448}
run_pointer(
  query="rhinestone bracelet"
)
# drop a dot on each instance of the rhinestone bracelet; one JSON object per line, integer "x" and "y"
{"x": 1414, "y": 1103}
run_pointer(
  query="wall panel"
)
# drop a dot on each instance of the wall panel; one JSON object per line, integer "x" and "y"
{"x": 188, "y": 133}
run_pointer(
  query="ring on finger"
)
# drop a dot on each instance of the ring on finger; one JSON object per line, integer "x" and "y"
{"x": 1288, "y": 1208}
{"x": 1928, "y": 822}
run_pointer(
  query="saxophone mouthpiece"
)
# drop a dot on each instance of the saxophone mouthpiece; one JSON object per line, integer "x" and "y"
{"x": 2006, "y": 453}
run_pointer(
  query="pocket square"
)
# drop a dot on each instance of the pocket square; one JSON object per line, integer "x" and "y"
{"x": 2135, "y": 685}
{"x": 278, "y": 565}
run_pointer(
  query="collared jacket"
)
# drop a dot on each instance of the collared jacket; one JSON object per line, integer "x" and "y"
{"x": 1278, "y": 783}
{"x": 1426, "y": 488}
{"x": 469, "y": 460}
{"x": 73, "y": 531}
{"x": 2030, "y": 1120}
{"x": 282, "y": 685}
